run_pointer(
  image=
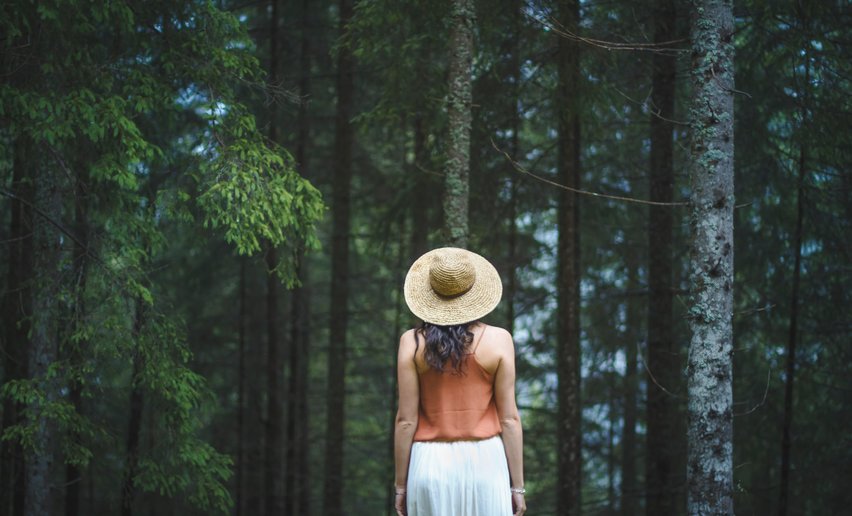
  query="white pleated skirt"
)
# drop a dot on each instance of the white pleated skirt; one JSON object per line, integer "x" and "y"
{"x": 459, "y": 478}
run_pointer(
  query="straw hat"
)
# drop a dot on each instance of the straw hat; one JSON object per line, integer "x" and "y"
{"x": 450, "y": 286}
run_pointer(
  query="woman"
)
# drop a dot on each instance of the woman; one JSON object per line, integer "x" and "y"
{"x": 458, "y": 438}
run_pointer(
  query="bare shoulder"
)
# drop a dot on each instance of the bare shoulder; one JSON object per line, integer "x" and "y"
{"x": 406, "y": 342}
{"x": 500, "y": 336}
{"x": 500, "y": 341}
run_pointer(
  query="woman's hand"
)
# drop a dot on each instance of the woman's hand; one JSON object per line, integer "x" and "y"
{"x": 399, "y": 503}
{"x": 519, "y": 504}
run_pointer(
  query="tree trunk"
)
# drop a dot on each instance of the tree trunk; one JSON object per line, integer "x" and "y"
{"x": 710, "y": 455}
{"x": 297, "y": 486}
{"x": 339, "y": 273}
{"x": 456, "y": 182}
{"x": 514, "y": 149}
{"x": 569, "y": 461}
{"x": 793, "y": 328}
{"x": 241, "y": 389}
{"x": 661, "y": 471}
{"x": 43, "y": 347}
{"x": 16, "y": 311}
{"x": 629, "y": 493}
{"x": 273, "y": 456}
{"x": 73, "y": 474}
{"x": 134, "y": 425}
{"x": 419, "y": 210}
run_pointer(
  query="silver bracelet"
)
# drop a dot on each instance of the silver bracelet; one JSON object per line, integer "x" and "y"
{"x": 518, "y": 490}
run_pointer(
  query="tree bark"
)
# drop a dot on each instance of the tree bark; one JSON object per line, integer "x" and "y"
{"x": 134, "y": 425}
{"x": 339, "y": 273}
{"x": 297, "y": 486}
{"x": 241, "y": 389}
{"x": 710, "y": 424}
{"x": 569, "y": 462}
{"x": 460, "y": 99}
{"x": 73, "y": 474}
{"x": 514, "y": 149}
{"x": 273, "y": 456}
{"x": 16, "y": 311}
{"x": 43, "y": 347}
{"x": 419, "y": 210}
{"x": 661, "y": 471}
{"x": 629, "y": 493}
{"x": 793, "y": 328}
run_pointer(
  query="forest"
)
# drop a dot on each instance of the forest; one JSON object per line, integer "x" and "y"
{"x": 207, "y": 209}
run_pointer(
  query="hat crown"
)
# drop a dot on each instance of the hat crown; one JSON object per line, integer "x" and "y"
{"x": 451, "y": 274}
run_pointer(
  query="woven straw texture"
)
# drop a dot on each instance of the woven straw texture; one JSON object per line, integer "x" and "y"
{"x": 449, "y": 286}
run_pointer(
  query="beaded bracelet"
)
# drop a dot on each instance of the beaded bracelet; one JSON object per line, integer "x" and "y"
{"x": 518, "y": 490}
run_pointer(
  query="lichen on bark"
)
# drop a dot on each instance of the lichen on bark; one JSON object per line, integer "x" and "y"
{"x": 709, "y": 369}
{"x": 460, "y": 99}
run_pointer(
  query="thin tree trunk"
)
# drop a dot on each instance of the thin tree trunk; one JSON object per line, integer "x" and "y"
{"x": 16, "y": 310}
{"x": 661, "y": 473}
{"x": 43, "y": 347}
{"x": 514, "y": 149}
{"x": 73, "y": 474}
{"x": 297, "y": 486}
{"x": 793, "y": 329}
{"x": 273, "y": 467}
{"x": 419, "y": 210}
{"x": 456, "y": 181}
{"x": 710, "y": 428}
{"x": 610, "y": 455}
{"x": 273, "y": 456}
{"x": 335, "y": 417}
{"x": 569, "y": 462}
{"x": 629, "y": 493}
{"x": 394, "y": 384}
{"x": 302, "y": 436}
{"x": 241, "y": 389}
{"x": 134, "y": 425}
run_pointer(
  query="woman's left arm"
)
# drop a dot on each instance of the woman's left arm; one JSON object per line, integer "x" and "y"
{"x": 407, "y": 414}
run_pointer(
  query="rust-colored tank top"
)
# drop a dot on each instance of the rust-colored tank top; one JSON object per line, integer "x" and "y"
{"x": 457, "y": 407}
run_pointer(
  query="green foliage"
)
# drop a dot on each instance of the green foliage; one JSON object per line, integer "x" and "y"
{"x": 254, "y": 194}
{"x": 139, "y": 105}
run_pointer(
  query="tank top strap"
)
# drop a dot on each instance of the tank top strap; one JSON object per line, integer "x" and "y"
{"x": 478, "y": 340}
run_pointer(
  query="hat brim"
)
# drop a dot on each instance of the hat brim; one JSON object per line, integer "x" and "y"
{"x": 434, "y": 308}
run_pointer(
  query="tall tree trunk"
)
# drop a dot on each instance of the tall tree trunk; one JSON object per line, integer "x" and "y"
{"x": 241, "y": 388}
{"x": 514, "y": 149}
{"x": 254, "y": 423}
{"x": 339, "y": 314}
{"x": 456, "y": 182}
{"x": 793, "y": 328}
{"x": 134, "y": 425}
{"x": 73, "y": 474}
{"x": 419, "y": 210}
{"x": 297, "y": 486}
{"x": 629, "y": 493}
{"x": 710, "y": 429}
{"x": 273, "y": 463}
{"x": 43, "y": 347}
{"x": 273, "y": 456}
{"x": 568, "y": 437}
{"x": 16, "y": 311}
{"x": 298, "y": 466}
{"x": 661, "y": 473}
{"x": 610, "y": 448}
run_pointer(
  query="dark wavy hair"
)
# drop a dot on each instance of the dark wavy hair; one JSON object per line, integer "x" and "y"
{"x": 445, "y": 345}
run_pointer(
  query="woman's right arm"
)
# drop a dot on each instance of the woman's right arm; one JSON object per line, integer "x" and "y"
{"x": 510, "y": 419}
{"x": 406, "y": 416}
